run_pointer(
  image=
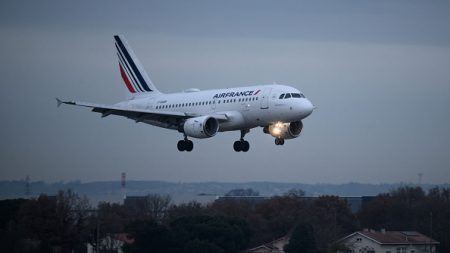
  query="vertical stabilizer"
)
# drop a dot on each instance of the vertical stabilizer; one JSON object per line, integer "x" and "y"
{"x": 131, "y": 70}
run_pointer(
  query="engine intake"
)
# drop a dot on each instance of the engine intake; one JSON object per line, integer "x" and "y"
{"x": 201, "y": 127}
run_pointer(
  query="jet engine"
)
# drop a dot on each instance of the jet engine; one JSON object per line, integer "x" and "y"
{"x": 201, "y": 127}
{"x": 284, "y": 130}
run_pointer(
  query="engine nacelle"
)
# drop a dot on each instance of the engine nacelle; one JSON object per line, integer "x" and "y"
{"x": 284, "y": 130}
{"x": 201, "y": 127}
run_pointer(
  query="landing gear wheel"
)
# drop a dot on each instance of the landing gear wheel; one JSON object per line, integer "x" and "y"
{"x": 181, "y": 146}
{"x": 189, "y": 145}
{"x": 185, "y": 145}
{"x": 237, "y": 146}
{"x": 279, "y": 141}
{"x": 241, "y": 144}
{"x": 245, "y": 146}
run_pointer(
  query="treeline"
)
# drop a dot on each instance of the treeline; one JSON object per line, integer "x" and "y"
{"x": 66, "y": 222}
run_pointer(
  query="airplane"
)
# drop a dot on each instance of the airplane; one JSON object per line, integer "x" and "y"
{"x": 278, "y": 109}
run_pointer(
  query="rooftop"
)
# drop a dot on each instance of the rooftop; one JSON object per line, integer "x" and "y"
{"x": 397, "y": 237}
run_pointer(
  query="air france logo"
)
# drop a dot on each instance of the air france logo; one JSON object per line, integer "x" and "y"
{"x": 237, "y": 94}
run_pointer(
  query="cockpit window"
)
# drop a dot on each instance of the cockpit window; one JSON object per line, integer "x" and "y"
{"x": 293, "y": 95}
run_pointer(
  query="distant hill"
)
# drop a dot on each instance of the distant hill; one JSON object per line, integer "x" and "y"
{"x": 184, "y": 192}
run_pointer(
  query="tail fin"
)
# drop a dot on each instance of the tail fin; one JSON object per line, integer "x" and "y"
{"x": 131, "y": 70}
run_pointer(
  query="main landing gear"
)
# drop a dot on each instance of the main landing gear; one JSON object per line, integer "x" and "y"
{"x": 185, "y": 145}
{"x": 279, "y": 141}
{"x": 241, "y": 144}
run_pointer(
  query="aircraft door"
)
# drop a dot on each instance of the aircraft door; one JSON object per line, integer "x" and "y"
{"x": 213, "y": 104}
{"x": 265, "y": 98}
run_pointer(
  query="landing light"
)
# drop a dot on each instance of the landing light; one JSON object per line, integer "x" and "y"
{"x": 276, "y": 129}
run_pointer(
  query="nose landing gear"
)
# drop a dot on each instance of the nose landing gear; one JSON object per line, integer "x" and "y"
{"x": 241, "y": 144}
{"x": 279, "y": 141}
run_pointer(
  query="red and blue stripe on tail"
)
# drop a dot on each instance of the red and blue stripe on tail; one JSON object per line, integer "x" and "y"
{"x": 131, "y": 70}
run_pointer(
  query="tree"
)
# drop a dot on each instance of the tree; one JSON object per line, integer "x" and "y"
{"x": 230, "y": 234}
{"x": 277, "y": 217}
{"x": 10, "y": 233}
{"x": 198, "y": 246}
{"x": 295, "y": 193}
{"x": 110, "y": 219}
{"x": 331, "y": 218}
{"x": 148, "y": 236}
{"x": 302, "y": 240}
{"x": 156, "y": 206}
{"x": 60, "y": 221}
{"x": 190, "y": 234}
{"x": 192, "y": 208}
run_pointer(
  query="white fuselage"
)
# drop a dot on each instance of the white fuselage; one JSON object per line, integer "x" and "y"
{"x": 279, "y": 109}
{"x": 246, "y": 107}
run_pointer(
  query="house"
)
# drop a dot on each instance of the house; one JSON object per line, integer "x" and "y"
{"x": 275, "y": 246}
{"x": 371, "y": 241}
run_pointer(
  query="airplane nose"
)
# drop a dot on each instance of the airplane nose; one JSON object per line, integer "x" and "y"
{"x": 306, "y": 108}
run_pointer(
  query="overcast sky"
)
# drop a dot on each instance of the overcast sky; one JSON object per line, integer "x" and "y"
{"x": 378, "y": 71}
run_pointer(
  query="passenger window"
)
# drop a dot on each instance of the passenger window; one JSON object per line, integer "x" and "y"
{"x": 288, "y": 95}
{"x": 281, "y": 96}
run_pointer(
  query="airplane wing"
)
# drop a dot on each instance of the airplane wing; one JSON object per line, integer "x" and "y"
{"x": 140, "y": 115}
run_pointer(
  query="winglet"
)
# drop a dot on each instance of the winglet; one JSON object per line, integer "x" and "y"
{"x": 58, "y": 102}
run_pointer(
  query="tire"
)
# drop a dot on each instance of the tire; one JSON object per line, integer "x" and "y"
{"x": 277, "y": 141}
{"x": 237, "y": 146}
{"x": 245, "y": 146}
{"x": 181, "y": 146}
{"x": 189, "y": 146}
